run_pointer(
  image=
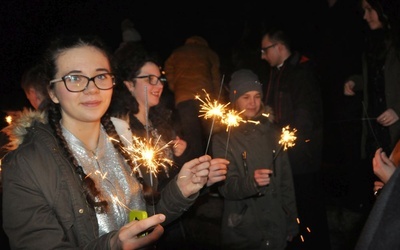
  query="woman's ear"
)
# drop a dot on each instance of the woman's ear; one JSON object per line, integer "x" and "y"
{"x": 130, "y": 86}
{"x": 53, "y": 96}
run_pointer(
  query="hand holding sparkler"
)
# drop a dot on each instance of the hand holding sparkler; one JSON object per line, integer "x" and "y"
{"x": 217, "y": 171}
{"x": 127, "y": 236}
{"x": 262, "y": 176}
{"x": 193, "y": 175}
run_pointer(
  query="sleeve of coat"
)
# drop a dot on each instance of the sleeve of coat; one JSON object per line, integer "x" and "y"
{"x": 172, "y": 203}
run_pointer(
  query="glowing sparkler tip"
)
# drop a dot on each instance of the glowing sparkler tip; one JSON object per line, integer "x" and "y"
{"x": 148, "y": 153}
{"x": 287, "y": 137}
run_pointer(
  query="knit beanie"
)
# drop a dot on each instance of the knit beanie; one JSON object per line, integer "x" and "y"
{"x": 243, "y": 81}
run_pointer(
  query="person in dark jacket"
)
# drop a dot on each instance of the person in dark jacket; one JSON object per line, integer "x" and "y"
{"x": 192, "y": 69}
{"x": 259, "y": 197}
{"x": 67, "y": 181}
{"x": 379, "y": 82}
{"x": 293, "y": 92}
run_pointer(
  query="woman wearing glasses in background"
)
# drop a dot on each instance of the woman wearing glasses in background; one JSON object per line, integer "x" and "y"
{"x": 137, "y": 100}
{"x": 65, "y": 184}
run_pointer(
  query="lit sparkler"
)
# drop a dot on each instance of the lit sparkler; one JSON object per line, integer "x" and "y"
{"x": 232, "y": 118}
{"x": 287, "y": 137}
{"x": 287, "y": 140}
{"x": 149, "y": 154}
{"x": 211, "y": 109}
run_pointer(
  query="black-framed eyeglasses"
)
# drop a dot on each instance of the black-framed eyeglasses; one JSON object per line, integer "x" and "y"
{"x": 153, "y": 79}
{"x": 78, "y": 83}
{"x": 264, "y": 50}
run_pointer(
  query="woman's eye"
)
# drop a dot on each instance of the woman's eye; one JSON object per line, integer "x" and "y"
{"x": 101, "y": 77}
{"x": 74, "y": 78}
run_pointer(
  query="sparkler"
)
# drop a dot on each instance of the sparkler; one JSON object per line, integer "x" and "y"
{"x": 287, "y": 140}
{"x": 211, "y": 109}
{"x": 148, "y": 154}
{"x": 214, "y": 109}
{"x": 218, "y": 112}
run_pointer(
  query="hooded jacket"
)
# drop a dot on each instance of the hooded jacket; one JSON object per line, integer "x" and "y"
{"x": 45, "y": 206}
{"x": 255, "y": 217}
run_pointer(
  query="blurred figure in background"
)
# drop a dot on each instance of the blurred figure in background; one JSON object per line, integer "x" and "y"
{"x": 190, "y": 69}
{"x": 380, "y": 79}
{"x": 32, "y": 83}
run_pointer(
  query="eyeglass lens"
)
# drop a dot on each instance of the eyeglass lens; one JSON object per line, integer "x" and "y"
{"x": 78, "y": 83}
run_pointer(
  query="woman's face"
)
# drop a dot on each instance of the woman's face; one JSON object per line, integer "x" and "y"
{"x": 371, "y": 16}
{"x": 142, "y": 88}
{"x": 90, "y": 104}
{"x": 250, "y": 102}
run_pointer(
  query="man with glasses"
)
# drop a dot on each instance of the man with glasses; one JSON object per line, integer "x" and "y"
{"x": 293, "y": 92}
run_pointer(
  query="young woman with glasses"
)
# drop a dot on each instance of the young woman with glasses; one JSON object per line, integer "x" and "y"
{"x": 137, "y": 100}
{"x": 66, "y": 183}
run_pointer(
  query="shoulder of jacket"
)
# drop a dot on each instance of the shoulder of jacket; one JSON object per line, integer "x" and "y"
{"x": 18, "y": 129}
{"x": 123, "y": 130}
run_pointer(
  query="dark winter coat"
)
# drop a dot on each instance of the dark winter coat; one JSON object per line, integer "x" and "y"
{"x": 255, "y": 217}
{"x": 294, "y": 94}
{"x": 44, "y": 206}
{"x": 392, "y": 90}
{"x": 381, "y": 230}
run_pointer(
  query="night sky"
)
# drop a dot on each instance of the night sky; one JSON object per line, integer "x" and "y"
{"x": 27, "y": 25}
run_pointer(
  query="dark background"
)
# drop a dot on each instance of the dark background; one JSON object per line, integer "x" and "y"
{"x": 331, "y": 36}
{"x": 26, "y": 26}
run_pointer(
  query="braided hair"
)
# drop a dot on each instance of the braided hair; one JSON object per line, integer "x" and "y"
{"x": 56, "y": 48}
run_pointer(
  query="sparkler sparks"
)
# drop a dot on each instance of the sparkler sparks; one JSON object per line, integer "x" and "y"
{"x": 232, "y": 118}
{"x": 287, "y": 137}
{"x": 287, "y": 140}
{"x": 214, "y": 109}
{"x": 211, "y": 108}
{"x": 149, "y": 154}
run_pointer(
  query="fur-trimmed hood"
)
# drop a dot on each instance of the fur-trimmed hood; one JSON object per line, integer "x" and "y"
{"x": 17, "y": 130}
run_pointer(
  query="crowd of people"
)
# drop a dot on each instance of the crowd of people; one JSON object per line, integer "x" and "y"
{"x": 71, "y": 176}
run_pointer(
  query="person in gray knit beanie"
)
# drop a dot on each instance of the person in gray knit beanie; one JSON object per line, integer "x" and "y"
{"x": 242, "y": 81}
